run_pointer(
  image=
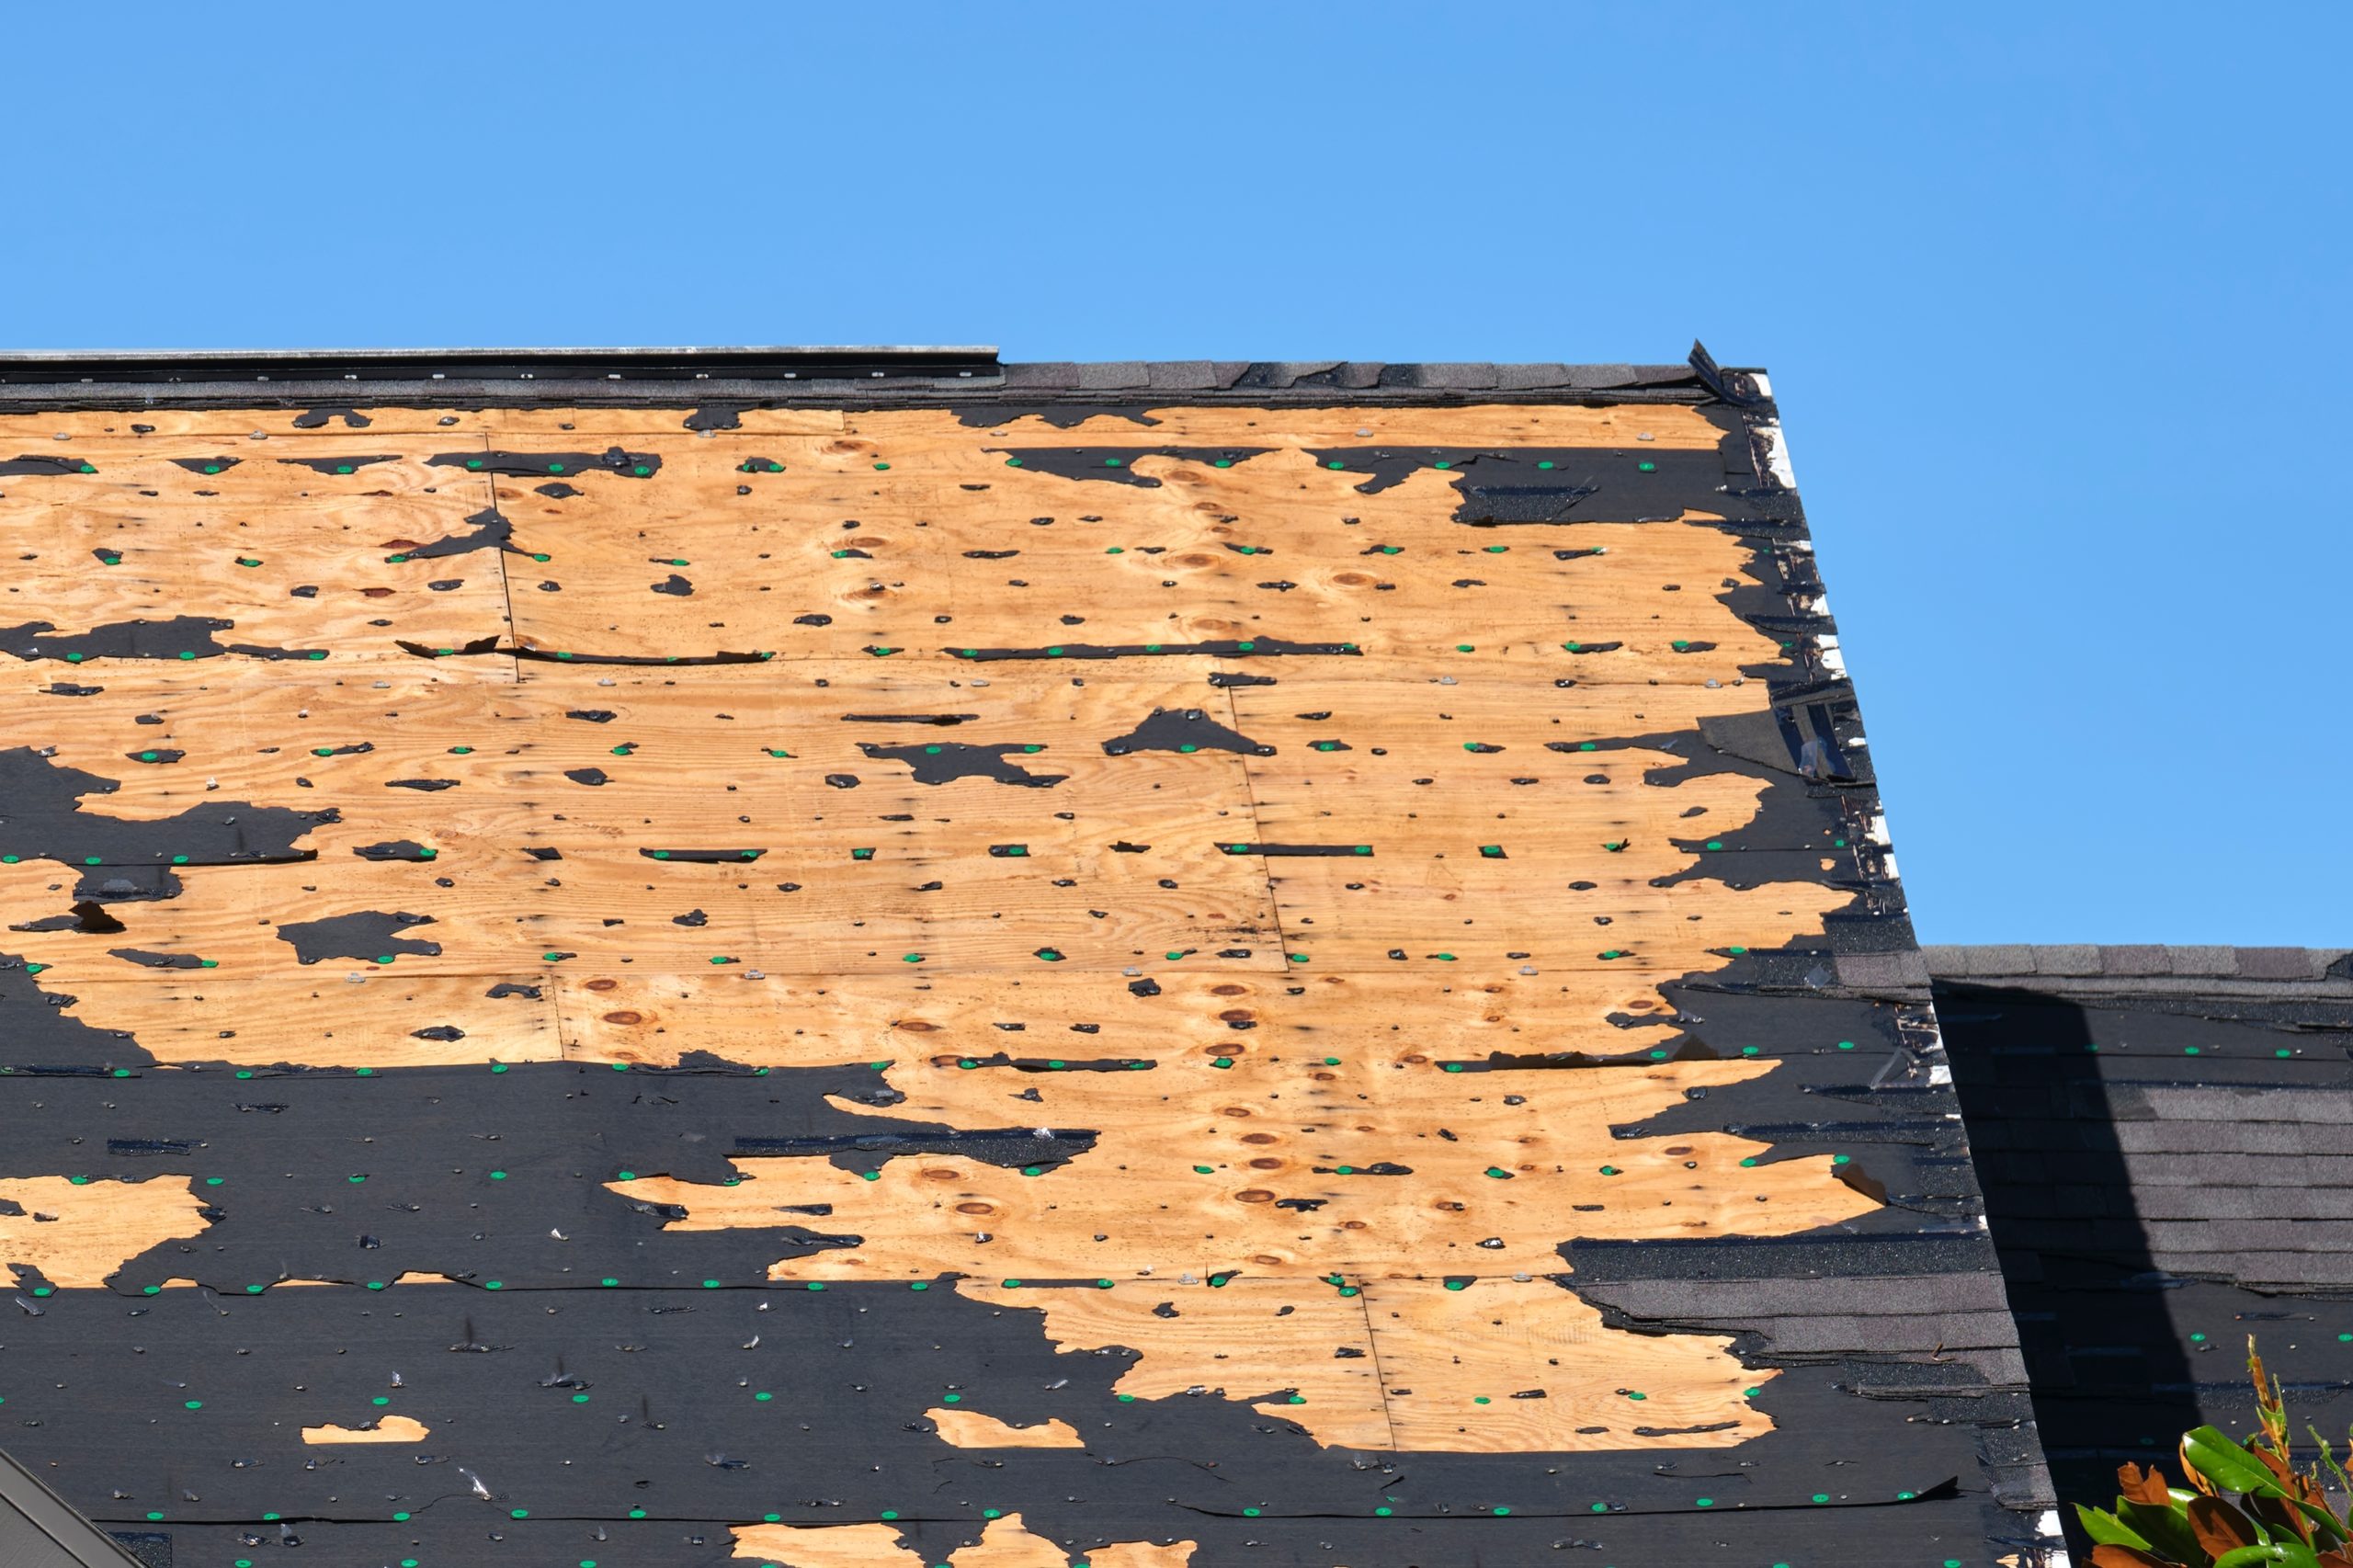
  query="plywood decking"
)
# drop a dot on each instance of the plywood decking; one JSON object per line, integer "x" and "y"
{"x": 1186, "y": 883}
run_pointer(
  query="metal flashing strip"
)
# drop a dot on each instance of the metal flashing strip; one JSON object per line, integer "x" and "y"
{"x": 40, "y": 1529}
{"x": 171, "y": 367}
{"x": 861, "y": 375}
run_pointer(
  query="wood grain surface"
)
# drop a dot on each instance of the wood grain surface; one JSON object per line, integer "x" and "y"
{"x": 1173, "y": 780}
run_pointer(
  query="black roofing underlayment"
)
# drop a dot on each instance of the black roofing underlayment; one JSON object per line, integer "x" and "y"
{"x": 627, "y": 1391}
{"x": 2164, "y": 1139}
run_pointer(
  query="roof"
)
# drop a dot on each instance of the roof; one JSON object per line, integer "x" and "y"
{"x": 856, "y": 375}
{"x": 1143, "y": 965}
{"x": 2164, "y": 1138}
{"x": 2151, "y": 968}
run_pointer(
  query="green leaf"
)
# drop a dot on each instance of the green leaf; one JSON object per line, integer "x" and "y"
{"x": 2331, "y": 1527}
{"x": 2283, "y": 1554}
{"x": 2227, "y": 1465}
{"x": 2106, "y": 1530}
{"x": 2328, "y": 1457}
{"x": 2165, "y": 1530}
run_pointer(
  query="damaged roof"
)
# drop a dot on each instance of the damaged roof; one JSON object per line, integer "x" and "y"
{"x": 649, "y": 958}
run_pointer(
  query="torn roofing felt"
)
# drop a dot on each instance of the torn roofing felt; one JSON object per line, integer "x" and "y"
{"x": 858, "y": 956}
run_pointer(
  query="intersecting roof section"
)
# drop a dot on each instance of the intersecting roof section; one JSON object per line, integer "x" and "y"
{"x": 2165, "y": 1139}
{"x": 1150, "y": 965}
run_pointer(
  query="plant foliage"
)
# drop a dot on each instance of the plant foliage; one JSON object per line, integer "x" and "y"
{"x": 2248, "y": 1507}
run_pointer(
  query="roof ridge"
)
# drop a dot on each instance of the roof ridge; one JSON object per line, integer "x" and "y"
{"x": 2141, "y": 962}
{"x": 45, "y": 377}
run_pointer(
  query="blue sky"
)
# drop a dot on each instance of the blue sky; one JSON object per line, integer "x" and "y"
{"x": 2055, "y": 299}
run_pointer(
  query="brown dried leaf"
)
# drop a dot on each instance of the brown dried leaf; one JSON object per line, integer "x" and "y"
{"x": 2125, "y": 1557}
{"x": 2282, "y": 1519}
{"x": 2196, "y": 1479}
{"x": 2149, "y": 1488}
{"x": 2219, "y": 1526}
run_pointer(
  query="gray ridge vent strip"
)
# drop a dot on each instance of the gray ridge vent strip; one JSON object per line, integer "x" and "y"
{"x": 2149, "y": 969}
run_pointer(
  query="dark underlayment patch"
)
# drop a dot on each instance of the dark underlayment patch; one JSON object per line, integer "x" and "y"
{"x": 942, "y": 762}
{"x": 370, "y": 934}
{"x": 182, "y": 637}
{"x": 707, "y": 1407}
{"x": 340, "y": 465}
{"x": 1117, "y": 465}
{"x": 489, "y": 531}
{"x": 1182, "y": 729}
{"x": 533, "y": 465}
{"x": 43, "y": 817}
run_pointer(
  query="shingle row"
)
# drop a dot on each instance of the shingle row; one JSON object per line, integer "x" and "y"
{"x": 1942, "y": 1318}
{"x": 2145, "y": 961}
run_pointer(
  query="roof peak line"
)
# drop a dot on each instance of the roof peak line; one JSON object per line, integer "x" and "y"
{"x": 2088, "y": 963}
{"x": 851, "y": 371}
{"x": 212, "y": 365}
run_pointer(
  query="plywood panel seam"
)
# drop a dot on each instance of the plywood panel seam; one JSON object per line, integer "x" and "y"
{"x": 504, "y": 557}
{"x": 555, "y": 1016}
{"x": 1380, "y": 1377}
{"x": 1258, "y": 829}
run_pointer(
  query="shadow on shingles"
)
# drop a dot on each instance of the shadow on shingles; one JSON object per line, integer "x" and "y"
{"x": 2111, "y": 1379}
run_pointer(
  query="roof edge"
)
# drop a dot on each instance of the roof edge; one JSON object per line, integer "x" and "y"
{"x": 40, "y": 1529}
{"x": 52, "y": 368}
{"x": 2143, "y": 966}
{"x": 863, "y": 375}
{"x": 517, "y": 351}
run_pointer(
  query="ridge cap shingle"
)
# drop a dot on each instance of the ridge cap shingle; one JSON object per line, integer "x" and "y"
{"x": 2145, "y": 961}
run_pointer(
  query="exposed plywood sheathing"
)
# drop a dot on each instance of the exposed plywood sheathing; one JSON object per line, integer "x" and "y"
{"x": 879, "y": 971}
{"x": 385, "y": 1429}
{"x": 970, "y": 1429}
{"x": 75, "y": 1231}
{"x": 1004, "y": 1543}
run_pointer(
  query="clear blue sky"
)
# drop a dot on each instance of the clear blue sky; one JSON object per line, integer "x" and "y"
{"x": 2054, "y": 298}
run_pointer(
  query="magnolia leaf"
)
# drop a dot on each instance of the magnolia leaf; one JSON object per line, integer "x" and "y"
{"x": 2111, "y": 1556}
{"x": 2140, "y": 1488}
{"x": 2282, "y": 1515}
{"x": 2166, "y": 1530}
{"x": 2190, "y": 1472}
{"x": 2281, "y": 1554}
{"x": 2210, "y": 1452}
{"x": 2109, "y": 1530}
{"x": 2213, "y": 1456}
{"x": 2220, "y": 1527}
